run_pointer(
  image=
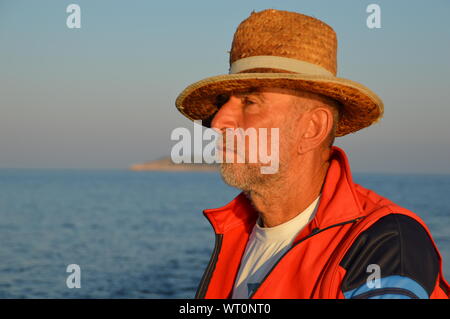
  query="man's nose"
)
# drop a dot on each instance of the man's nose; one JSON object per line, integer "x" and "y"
{"x": 228, "y": 115}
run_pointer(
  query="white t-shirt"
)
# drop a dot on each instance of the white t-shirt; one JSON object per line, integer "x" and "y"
{"x": 265, "y": 246}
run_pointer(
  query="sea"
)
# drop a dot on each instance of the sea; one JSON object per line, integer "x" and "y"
{"x": 142, "y": 234}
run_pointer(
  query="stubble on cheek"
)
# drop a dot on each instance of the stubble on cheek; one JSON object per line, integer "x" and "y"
{"x": 239, "y": 172}
{"x": 248, "y": 176}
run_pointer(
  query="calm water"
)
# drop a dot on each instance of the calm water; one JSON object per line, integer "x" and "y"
{"x": 141, "y": 234}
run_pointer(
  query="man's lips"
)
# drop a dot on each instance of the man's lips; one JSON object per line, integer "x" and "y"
{"x": 223, "y": 150}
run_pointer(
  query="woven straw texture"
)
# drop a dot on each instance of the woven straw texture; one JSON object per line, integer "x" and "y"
{"x": 290, "y": 35}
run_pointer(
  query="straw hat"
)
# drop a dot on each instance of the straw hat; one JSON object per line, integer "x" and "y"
{"x": 282, "y": 49}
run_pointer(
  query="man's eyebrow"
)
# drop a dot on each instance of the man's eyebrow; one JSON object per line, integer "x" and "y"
{"x": 255, "y": 92}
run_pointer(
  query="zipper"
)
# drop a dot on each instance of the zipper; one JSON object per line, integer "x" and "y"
{"x": 206, "y": 278}
{"x": 314, "y": 232}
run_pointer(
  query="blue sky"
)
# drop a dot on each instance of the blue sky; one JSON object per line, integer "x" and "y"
{"x": 103, "y": 96}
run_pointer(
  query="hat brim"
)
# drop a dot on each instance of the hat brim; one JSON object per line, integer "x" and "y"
{"x": 360, "y": 106}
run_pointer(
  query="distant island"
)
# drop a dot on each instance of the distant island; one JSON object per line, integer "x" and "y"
{"x": 166, "y": 164}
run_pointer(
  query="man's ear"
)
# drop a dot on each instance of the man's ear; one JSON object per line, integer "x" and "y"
{"x": 317, "y": 124}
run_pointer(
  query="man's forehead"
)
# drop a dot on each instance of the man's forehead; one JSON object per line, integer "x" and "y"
{"x": 263, "y": 93}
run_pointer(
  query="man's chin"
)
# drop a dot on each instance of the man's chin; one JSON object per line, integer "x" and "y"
{"x": 242, "y": 176}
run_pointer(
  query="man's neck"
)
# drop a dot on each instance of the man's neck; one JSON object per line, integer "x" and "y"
{"x": 291, "y": 194}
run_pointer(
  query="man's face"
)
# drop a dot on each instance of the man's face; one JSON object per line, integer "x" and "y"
{"x": 263, "y": 108}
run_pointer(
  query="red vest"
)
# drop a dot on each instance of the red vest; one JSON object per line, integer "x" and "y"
{"x": 310, "y": 269}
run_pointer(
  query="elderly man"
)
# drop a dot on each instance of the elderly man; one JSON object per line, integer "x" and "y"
{"x": 306, "y": 231}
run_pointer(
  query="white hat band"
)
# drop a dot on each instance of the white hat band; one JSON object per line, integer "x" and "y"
{"x": 276, "y": 62}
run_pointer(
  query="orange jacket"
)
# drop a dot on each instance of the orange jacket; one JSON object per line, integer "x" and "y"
{"x": 353, "y": 228}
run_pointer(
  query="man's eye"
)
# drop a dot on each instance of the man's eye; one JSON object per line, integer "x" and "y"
{"x": 248, "y": 101}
